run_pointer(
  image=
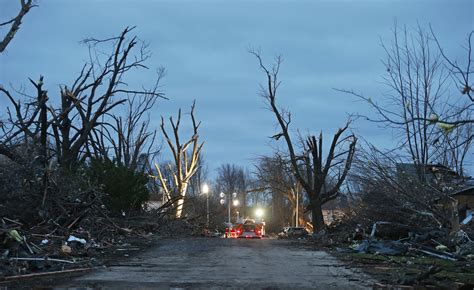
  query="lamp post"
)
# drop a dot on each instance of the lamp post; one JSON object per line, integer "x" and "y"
{"x": 297, "y": 209}
{"x": 205, "y": 190}
{"x": 235, "y": 202}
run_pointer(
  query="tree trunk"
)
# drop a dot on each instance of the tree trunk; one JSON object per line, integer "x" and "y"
{"x": 317, "y": 217}
{"x": 293, "y": 215}
{"x": 43, "y": 120}
{"x": 180, "y": 202}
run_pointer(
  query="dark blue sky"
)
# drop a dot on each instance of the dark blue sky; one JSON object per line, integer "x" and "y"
{"x": 203, "y": 46}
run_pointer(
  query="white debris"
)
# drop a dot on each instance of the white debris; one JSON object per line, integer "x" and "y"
{"x": 76, "y": 239}
{"x": 467, "y": 219}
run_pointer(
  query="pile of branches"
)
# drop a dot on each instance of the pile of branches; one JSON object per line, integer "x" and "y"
{"x": 388, "y": 193}
{"x": 69, "y": 229}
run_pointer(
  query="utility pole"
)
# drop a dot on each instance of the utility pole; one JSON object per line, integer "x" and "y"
{"x": 228, "y": 206}
{"x": 207, "y": 206}
{"x": 297, "y": 206}
{"x": 205, "y": 190}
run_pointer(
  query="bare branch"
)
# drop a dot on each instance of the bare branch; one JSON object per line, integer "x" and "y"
{"x": 15, "y": 23}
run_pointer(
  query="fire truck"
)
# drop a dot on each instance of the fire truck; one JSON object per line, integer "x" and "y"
{"x": 247, "y": 228}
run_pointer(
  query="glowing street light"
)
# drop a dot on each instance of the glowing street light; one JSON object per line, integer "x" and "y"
{"x": 259, "y": 213}
{"x": 205, "y": 188}
{"x": 235, "y": 202}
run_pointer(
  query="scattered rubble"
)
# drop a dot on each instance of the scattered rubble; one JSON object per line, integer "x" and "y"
{"x": 293, "y": 233}
{"x": 381, "y": 247}
{"x": 399, "y": 256}
{"x": 51, "y": 249}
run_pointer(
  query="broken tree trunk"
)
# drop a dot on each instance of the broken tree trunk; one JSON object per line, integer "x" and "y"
{"x": 185, "y": 165}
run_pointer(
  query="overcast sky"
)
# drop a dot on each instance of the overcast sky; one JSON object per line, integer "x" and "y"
{"x": 203, "y": 46}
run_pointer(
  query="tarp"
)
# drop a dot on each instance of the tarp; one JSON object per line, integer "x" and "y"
{"x": 381, "y": 247}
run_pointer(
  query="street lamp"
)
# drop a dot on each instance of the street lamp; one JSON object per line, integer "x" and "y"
{"x": 205, "y": 190}
{"x": 259, "y": 213}
{"x": 235, "y": 202}
{"x": 222, "y": 200}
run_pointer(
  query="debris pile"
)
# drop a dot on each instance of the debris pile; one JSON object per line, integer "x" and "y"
{"x": 53, "y": 220}
{"x": 434, "y": 257}
{"x": 437, "y": 242}
{"x": 50, "y": 248}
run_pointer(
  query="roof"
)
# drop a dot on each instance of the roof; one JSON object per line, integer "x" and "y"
{"x": 469, "y": 190}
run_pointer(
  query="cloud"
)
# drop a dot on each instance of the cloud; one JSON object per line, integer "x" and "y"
{"x": 203, "y": 45}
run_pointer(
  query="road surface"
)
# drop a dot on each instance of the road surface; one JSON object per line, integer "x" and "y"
{"x": 226, "y": 263}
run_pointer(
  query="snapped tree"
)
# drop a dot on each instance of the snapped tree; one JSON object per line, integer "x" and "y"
{"x": 321, "y": 179}
{"x": 185, "y": 161}
{"x": 67, "y": 133}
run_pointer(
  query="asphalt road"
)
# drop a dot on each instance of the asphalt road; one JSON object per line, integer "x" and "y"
{"x": 226, "y": 263}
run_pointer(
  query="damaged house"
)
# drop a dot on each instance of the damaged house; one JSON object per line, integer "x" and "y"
{"x": 459, "y": 190}
{"x": 465, "y": 203}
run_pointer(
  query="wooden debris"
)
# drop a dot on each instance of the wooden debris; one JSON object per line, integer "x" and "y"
{"x": 33, "y": 275}
{"x": 45, "y": 259}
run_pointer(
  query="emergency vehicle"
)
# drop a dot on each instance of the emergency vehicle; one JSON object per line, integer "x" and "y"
{"x": 247, "y": 228}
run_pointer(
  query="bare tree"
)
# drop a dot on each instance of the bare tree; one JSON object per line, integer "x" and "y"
{"x": 62, "y": 134}
{"x": 276, "y": 174}
{"x": 418, "y": 106}
{"x": 83, "y": 106}
{"x": 7, "y": 139}
{"x": 93, "y": 94}
{"x": 199, "y": 178}
{"x": 15, "y": 23}
{"x": 233, "y": 178}
{"x": 26, "y": 123}
{"x": 455, "y": 145}
{"x": 127, "y": 138}
{"x": 415, "y": 75}
{"x": 460, "y": 74}
{"x": 185, "y": 160}
{"x": 309, "y": 168}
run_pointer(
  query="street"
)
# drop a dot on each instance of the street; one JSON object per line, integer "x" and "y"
{"x": 226, "y": 263}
